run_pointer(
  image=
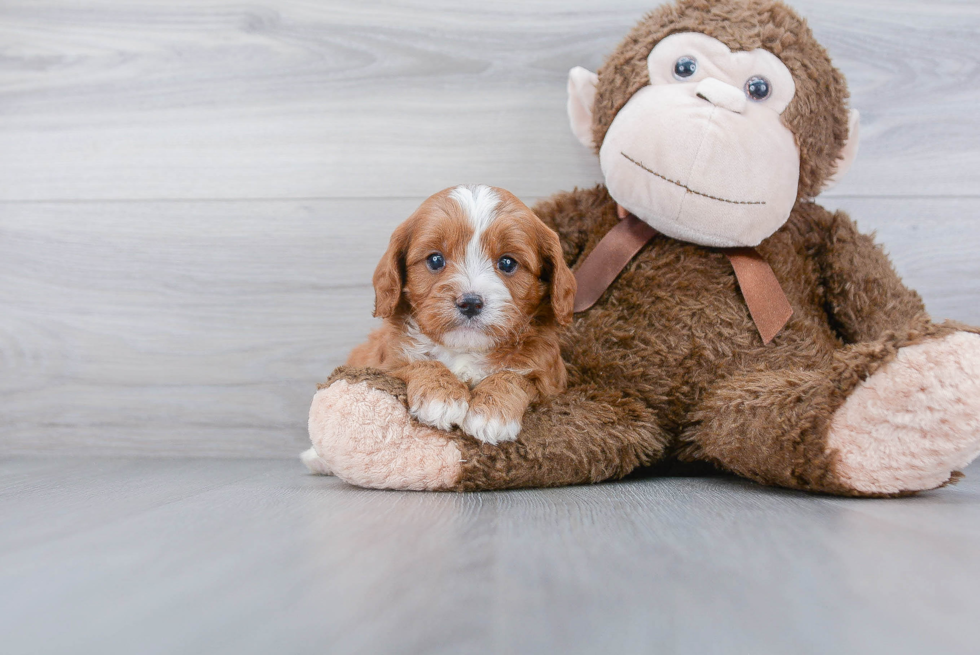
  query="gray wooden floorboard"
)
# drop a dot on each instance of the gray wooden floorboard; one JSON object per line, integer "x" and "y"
{"x": 255, "y": 556}
{"x": 203, "y": 327}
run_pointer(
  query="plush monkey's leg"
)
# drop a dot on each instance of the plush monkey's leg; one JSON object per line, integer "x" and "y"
{"x": 362, "y": 432}
{"x": 877, "y": 420}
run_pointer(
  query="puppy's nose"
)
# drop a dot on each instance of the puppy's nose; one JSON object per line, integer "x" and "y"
{"x": 470, "y": 305}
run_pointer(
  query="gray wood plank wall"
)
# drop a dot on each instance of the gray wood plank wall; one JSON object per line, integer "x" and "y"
{"x": 193, "y": 194}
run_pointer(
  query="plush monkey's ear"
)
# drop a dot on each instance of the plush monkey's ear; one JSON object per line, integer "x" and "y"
{"x": 389, "y": 276}
{"x": 850, "y": 151}
{"x": 561, "y": 280}
{"x": 581, "y": 97}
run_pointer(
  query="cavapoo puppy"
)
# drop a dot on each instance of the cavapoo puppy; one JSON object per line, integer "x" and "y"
{"x": 473, "y": 290}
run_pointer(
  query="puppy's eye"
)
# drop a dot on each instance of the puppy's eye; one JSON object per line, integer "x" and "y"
{"x": 685, "y": 67}
{"x": 435, "y": 262}
{"x": 507, "y": 264}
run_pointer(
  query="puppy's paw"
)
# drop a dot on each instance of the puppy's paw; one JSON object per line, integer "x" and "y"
{"x": 438, "y": 399}
{"x": 439, "y": 413}
{"x": 489, "y": 426}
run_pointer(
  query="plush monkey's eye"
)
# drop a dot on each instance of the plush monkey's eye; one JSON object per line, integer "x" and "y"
{"x": 435, "y": 262}
{"x": 507, "y": 265}
{"x": 758, "y": 88}
{"x": 685, "y": 67}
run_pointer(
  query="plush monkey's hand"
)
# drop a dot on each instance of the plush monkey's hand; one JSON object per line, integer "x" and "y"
{"x": 362, "y": 432}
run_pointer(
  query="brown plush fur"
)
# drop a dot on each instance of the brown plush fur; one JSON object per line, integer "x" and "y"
{"x": 668, "y": 364}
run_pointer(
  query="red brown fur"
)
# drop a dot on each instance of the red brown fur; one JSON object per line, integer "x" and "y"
{"x": 517, "y": 355}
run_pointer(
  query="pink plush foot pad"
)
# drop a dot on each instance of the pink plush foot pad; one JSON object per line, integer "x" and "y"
{"x": 915, "y": 421}
{"x": 365, "y": 437}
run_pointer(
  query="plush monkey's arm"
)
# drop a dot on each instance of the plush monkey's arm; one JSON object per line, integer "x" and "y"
{"x": 361, "y": 432}
{"x": 864, "y": 295}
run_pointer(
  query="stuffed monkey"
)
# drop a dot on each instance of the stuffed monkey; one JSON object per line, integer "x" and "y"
{"x": 724, "y": 316}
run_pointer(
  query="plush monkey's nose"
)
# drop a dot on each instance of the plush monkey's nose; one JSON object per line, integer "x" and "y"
{"x": 722, "y": 95}
{"x": 470, "y": 305}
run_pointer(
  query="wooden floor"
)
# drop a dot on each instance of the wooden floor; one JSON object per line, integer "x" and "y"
{"x": 255, "y": 556}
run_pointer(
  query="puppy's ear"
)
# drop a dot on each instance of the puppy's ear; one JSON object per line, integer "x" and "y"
{"x": 560, "y": 278}
{"x": 389, "y": 276}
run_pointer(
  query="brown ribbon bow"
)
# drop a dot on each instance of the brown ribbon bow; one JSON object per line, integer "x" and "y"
{"x": 768, "y": 306}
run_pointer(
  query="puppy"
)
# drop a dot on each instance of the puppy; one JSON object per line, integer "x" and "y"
{"x": 473, "y": 290}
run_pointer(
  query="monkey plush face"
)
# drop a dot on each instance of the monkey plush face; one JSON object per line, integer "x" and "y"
{"x": 701, "y": 149}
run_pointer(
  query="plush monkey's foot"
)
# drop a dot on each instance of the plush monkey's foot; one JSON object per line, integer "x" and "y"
{"x": 364, "y": 436}
{"x": 915, "y": 421}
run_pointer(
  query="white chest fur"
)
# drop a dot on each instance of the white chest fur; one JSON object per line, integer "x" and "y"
{"x": 470, "y": 367}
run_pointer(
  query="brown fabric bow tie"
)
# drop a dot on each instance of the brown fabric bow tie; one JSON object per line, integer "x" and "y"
{"x": 767, "y": 303}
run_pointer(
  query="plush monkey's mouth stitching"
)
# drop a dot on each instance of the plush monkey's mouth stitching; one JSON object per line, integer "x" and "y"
{"x": 687, "y": 188}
